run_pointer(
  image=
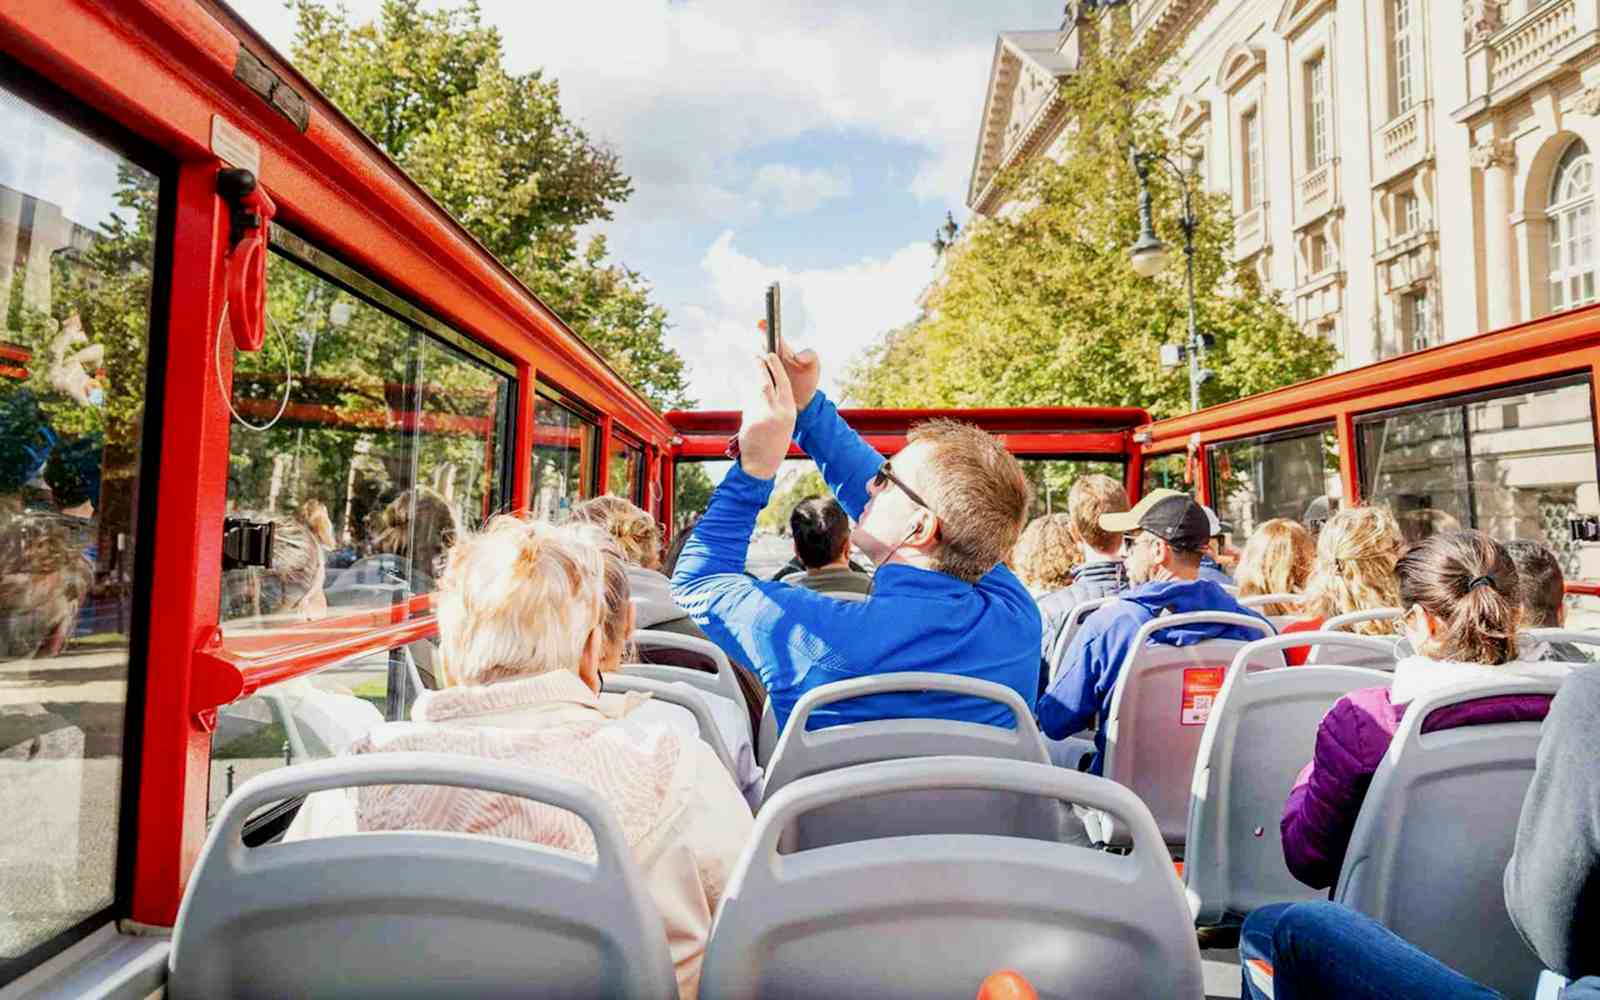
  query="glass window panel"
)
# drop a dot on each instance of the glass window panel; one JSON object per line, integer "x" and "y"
{"x": 391, "y": 442}
{"x": 1255, "y": 480}
{"x": 312, "y": 718}
{"x": 563, "y": 454}
{"x": 1052, "y": 478}
{"x": 1400, "y": 55}
{"x": 77, "y": 253}
{"x": 1511, "y": 465}
{"x": 626, "y": 470}
{"x": 1167, "y": 471}
{"x": 692, "y": 483}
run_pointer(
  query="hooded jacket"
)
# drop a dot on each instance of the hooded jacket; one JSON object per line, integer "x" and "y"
{"x": 1088, "y": 679}
{"x": 651, "y": 595}
{"x": 1355, "y": 735}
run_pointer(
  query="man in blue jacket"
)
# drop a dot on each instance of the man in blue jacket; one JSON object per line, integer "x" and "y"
{"x": 937, "y": 524}
{"x": 1166, "y": 531}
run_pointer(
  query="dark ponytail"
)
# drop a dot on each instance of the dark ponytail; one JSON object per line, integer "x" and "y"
{"x": 1467, "y": 580}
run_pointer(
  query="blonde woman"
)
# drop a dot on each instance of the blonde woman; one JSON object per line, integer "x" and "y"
{"x": 1045, "y": 554}
{"x": 1276, "y": 560}
{"x": 525, "y": 634}
{"x": 1353, "y": 571}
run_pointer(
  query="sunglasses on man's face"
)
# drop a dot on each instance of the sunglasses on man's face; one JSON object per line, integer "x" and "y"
{"x": 885, "y": 476}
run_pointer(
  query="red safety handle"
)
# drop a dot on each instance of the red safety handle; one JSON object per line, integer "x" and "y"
{"x": 247, "y": 275}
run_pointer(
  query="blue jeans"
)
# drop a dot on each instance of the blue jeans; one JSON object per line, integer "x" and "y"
{"x": 1313, "y": 950}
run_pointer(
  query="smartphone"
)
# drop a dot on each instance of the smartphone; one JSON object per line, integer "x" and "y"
{"x": 774, "y": 316}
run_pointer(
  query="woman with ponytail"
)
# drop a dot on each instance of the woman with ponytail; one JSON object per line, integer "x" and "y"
{"x": 1462, "y": 601}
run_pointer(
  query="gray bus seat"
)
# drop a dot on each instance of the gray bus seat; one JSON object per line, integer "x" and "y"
{"x": 767, "y": 735}
{"x": 414, "y": 914}
{"x": 1260, "y": 734}
{"x": 801, "y": 754}
{"x": 932, "y": 915}
{"x": 720, "y": 680}
{"x": 1158, "y": 712}
{"x": 1258, "y": 601}
{"x": 684, "y": 696}
{"x": 1570, "y": 636}
{"x": 1435, "y": 832}
{"x": 1342, "y": 623}
{"x": 1069, "y": 628}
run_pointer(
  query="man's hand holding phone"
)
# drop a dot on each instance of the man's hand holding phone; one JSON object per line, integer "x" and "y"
{"x": 768, "y": 423}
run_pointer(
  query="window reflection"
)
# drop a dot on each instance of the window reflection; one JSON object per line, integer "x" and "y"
{"x": 390, "y": 444}
{"x": 77, "y": 249}
{"x": 1295, "y": 477}
{"x": 1166, "y": 472}
{"x": 563, "y": 454}
{"x": 1052, "y": 478}
{"x": 626, "y": 469}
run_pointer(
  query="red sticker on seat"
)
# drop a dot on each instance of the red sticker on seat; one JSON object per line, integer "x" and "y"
{"x": 1200, "y": 687}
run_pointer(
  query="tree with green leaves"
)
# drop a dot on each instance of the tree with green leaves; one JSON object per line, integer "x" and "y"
{"x": 498, "y": 152}
{"x": 1041, "y": 307}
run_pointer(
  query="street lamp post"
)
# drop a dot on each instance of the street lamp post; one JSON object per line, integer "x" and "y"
{"x": 1150, "y": 256}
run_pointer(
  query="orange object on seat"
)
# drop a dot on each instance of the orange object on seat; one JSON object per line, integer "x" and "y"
{"x": 1007, "y": 984}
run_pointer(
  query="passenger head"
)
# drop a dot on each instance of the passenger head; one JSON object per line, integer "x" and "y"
{"x": 1090, "y": 499}
{"x": 73, "y": 472}
{"x": 420, "y": 527}
{"x": 1166, "y": 532}
{"x": 1543, "y": 584}
{"x": 43, "y": 581}
{"x": 1276, "y": 560}
{"x": 821, "y": 531}
{"x": 291, "y": 586}
{"x": 314, "y": 515}
{"x": 620, "y": 615}
{"x": 975, "y": 494}
{"x": 523, "y": 598}
{"x": 1354, "y": 568}
{"x": 1046, "y": 553}
{"x": 634, "y": 529}
{"x": 1462, "y": 598}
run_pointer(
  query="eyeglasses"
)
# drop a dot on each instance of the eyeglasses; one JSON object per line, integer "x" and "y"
{"x": 885, "y": 475}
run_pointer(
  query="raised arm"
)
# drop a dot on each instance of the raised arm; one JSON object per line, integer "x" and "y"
{"x": 845, "y": 460}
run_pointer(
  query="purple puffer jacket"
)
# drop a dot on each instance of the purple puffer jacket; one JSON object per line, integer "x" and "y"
{"x": 1351, "y": 742}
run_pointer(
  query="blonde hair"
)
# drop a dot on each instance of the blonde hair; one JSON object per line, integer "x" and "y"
{"x": 618, "y": 593}
{"x": 314, "y": 515}
{"x": 518, "y": 599}
{"x": 634, "y": 529}
{"x": 1276, "y": 560}
{"x": 1354, "y": 570}
{"x": 297, "y": 572}
{"x": 422, "y": 537}
{"x": 1470, "y": 582}
{"x": 977, "y": 491}
{"x": 1089, "y": 498}
{"x": 1045, "y": 554}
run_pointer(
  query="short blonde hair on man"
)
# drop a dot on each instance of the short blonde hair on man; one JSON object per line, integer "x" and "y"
{"x": 979, "y": 494}
{"x": 634, "y": 529}
{"x": 1276, "y": 560}
{"x": 1354, "y": 571}
{"x": 520, "y": 598}
{"x": 1046, "y": 553}
{"x": 1090, "y": 498}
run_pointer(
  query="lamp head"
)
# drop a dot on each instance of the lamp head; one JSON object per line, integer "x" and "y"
{"x": 1149, "y": 255}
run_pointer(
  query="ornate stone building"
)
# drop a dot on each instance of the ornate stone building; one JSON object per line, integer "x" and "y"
{"x": 1402, "y": 172}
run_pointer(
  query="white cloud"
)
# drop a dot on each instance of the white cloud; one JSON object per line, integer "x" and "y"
{"x": 797, "y": 190}
{"x": 837, "y": 311}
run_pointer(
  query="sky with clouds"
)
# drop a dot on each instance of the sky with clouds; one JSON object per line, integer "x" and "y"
{"x": 813, "y": 142}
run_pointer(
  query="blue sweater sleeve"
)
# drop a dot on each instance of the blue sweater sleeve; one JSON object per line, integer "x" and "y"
{"x": 1090, "y": 672}
{"x": 760, "y": 622}
{"x": 845, "y": 460}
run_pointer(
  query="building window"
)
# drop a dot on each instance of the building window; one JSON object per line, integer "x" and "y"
{"x": 1407, "y": 214}
{"x": 1319, "y": 254}
{"x": 1400, "y": 28}
{"x": 1316, "y": 112}
{"x": 1416, "y": 320}
{"x": 1572, "y": 230}
{"x": 1250, "y": 128}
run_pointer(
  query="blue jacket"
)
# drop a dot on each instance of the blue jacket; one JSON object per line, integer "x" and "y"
{"x": 915, "y": 619}
{"x": 1088, "y": 679}
{"x": 1212, "y": 570}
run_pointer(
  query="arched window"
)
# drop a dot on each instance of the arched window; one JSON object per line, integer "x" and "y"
{"x": 1572, "y": 230}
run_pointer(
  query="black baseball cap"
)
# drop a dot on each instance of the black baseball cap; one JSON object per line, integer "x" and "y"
{"x": 1169, "y": 515}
